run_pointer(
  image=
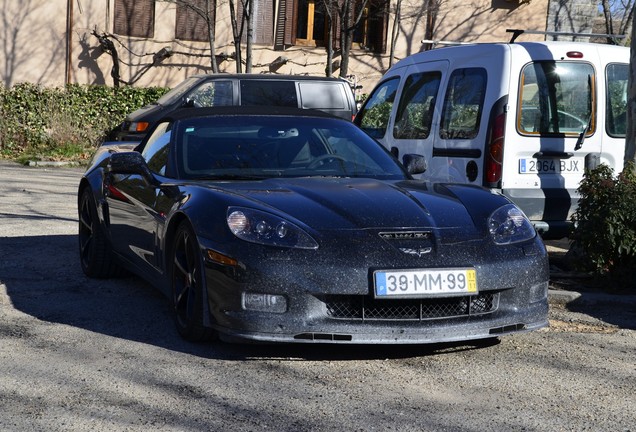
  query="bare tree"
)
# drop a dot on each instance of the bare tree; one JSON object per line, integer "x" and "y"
{"x": 394, "y": 33}
{"x": 206, "y": 10}
{"x": 619, "y": 15}
{"x": 350, "y": 18}
{"x": 432, "y": 9}
{"x": 248, "y": 9}
{"x": 242, "y": 21}
{"x": 330, "y": 9}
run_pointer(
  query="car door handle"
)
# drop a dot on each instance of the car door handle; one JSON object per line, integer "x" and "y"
{"x": 553, "y": 154}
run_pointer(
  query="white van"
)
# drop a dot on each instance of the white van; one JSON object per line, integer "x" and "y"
{"x": 525, "y": 118}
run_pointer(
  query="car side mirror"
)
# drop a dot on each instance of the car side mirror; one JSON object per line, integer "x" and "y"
{"x": 130, "y": 163}
{"x": 414, "y": 163}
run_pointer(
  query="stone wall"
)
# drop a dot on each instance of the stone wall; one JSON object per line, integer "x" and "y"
{"x": 572, "y": 16}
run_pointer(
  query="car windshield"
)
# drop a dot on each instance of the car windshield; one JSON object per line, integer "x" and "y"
{"x": 178, "y": 91}
{"x": 257, "y": 147}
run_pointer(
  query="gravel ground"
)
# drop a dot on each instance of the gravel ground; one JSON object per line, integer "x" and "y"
{"x": 79, "y": 355}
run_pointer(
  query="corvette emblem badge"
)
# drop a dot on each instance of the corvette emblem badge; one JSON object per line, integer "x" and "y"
{"x": 417, "y": 252}
{"x": 406, "y": 235}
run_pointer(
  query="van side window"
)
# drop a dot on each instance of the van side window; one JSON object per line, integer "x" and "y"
{"x": 212, "y": 93}
{"x": 373, "y": 118}
{"x": 556, "y": 98}
{"x": 268, "y": 93}
{"x": 616, "y": 113}
{"x": 463, "y": 104}
{"x": 415, "y": 111}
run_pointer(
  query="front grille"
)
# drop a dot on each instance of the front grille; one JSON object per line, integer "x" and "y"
{"x": 368, "y": 308}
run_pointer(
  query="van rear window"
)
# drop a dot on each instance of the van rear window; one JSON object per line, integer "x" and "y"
{"x": 556, "y": 98}
{"x": 463, "y": 104}
{"x": 415, "y": 111}
{"x": 321, "y": 95}
{"x": 616, "y": 113}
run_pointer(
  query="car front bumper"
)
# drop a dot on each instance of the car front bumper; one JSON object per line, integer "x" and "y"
{"x": 333, "y": 302}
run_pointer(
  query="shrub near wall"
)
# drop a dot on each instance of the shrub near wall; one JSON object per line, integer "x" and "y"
{"x": 605, "y": 224}
{"x": 63, "y": 123}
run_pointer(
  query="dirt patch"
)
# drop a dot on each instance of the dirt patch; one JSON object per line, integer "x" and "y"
{"x": 578, "y": 327}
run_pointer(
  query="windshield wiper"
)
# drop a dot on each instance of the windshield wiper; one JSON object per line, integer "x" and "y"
{"x": 588, "y": 126}
{"x": 581, "y": 139}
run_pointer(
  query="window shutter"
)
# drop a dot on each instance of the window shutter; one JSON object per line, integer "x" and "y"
{"x": 190, "y": 25}
{"x": 263, "y": 21}
{"x": 286, "y": 20}
{"x": 134, "y": 18}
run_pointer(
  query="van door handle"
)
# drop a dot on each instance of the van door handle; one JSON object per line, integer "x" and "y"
{"x": 553, "y": 154}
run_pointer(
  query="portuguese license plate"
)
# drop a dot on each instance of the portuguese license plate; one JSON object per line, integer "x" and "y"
{"x": 423, "y": 283}
{"x": 550, "y": 166}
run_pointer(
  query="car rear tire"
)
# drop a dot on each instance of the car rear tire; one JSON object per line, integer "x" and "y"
{"x": 188, "y": 286}
{"x": 96, "y": 257}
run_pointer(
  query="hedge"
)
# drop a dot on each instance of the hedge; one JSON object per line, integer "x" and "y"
{"x": 68, "y": 122}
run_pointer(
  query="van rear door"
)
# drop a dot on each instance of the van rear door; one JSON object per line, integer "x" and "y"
{"x": 406, "y": 123}
{"x": 415, "y": 116}
{"x": 555, "y": 129}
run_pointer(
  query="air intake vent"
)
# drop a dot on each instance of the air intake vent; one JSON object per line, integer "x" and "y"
{"x": 368, "y": 308}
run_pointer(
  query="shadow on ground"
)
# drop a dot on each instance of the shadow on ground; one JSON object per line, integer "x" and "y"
{"x": 43, "y": 279}
{"x": 590, "y": 297}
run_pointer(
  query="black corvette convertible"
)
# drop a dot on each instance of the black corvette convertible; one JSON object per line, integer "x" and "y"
{"x": 294, "y": 226}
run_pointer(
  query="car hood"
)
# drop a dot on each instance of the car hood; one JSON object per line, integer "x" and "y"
{"x": 151, "y": 111}
{"x": 353, "y": 204}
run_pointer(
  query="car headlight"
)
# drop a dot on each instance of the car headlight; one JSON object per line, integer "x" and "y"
{"x": 509, "y": 225}
{"x": 265, "y": 228}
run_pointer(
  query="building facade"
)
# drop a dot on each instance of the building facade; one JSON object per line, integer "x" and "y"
{"x": 159, "y": 43}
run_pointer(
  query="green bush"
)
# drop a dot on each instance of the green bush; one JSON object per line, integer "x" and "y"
{"x": 605, "y": 225}
{"x": 63, "y": 123}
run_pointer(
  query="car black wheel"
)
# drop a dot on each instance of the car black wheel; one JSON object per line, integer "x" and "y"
{"x": 188, "y": 286}
{"x": 96, "y": 256}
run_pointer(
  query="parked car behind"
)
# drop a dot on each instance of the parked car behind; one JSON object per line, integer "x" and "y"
{"x": 523, "y": 118}
{"x": 291, "y": 225}
{"x": 332, "y": 95}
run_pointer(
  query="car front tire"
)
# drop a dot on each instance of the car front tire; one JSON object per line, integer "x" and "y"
{"x": 96, "y": 257}
{"x": 188, "y": 286}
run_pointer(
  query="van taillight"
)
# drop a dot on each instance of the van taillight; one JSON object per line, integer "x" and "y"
{"x": 494, "y": 152}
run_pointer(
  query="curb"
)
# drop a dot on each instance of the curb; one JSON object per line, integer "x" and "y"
{"x": 51, "y": 164}
{"x": 562, "y": 297}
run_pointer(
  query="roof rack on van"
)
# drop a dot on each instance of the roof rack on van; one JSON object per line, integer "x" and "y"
{"x": 518, "y": 32}
{"x": 444, "y": 42}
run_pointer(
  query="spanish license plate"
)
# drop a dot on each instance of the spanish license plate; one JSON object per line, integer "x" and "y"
{"x": 422, "y": 283}
{"x": 550, "y": 166}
